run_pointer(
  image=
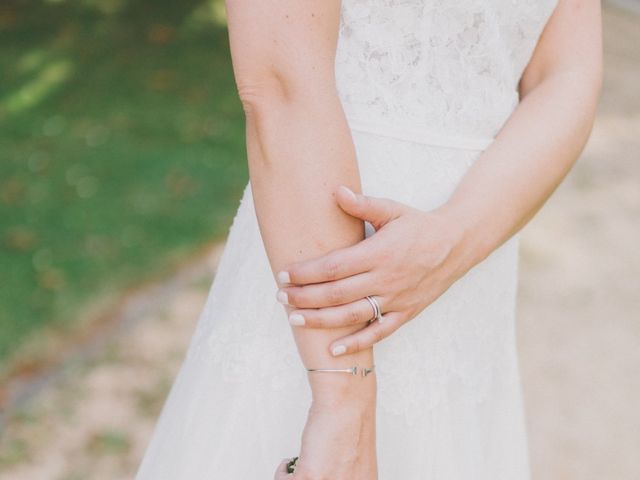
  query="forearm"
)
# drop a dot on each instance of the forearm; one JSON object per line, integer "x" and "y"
{"x": 299, "y": 148}
{"x": 543, "y": 137}
{"x": 533, "y": 152}
{"x": 299, "y": 151}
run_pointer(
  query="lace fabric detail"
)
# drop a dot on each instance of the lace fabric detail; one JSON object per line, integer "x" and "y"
{"x": 436, "y": 65}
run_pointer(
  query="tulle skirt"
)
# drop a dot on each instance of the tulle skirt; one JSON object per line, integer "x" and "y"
{"x": 449, "y": 404}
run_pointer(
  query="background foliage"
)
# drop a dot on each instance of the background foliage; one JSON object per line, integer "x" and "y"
{"x": 122, "y": 149}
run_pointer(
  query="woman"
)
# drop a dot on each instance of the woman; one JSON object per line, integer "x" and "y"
{"x": 395, "y": 150}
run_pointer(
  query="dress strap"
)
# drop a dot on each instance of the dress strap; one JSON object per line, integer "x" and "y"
{"x": 420, "y": 134}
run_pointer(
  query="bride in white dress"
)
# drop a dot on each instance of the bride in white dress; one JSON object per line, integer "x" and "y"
{"x": 453, "y": 121}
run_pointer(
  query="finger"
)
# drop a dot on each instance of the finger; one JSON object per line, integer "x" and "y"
{"x": 368, "y": 336}
{"x": 281, "y": 471}
{"x": 327, "y": 294}
{"x": 375, "y": 210}
{"x": 337, "y": 264}
{"x": 352, "y": 313}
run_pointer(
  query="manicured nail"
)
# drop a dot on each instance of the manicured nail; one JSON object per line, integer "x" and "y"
{"x": 283, "y": 277}
{"x": 338, "y": 350}
{"x": 296, "y": 319}
{"x": 349, "y": 191}
{"x": 282, "y": 296}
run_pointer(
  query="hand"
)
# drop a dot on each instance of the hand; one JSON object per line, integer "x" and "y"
{"x": 412, "y": 258}
{"x": 338, "y": 442}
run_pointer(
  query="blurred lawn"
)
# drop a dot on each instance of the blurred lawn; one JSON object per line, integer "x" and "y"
{"x": 121, "y": 149}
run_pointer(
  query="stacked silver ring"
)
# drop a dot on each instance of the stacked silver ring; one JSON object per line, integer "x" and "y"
{"x": 377, "y": 313}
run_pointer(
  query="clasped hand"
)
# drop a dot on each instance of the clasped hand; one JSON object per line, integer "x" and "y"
{"x": 412, "y": 258}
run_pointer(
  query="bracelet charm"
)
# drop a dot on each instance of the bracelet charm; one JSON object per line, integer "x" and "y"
{"x": 292, "y": 464}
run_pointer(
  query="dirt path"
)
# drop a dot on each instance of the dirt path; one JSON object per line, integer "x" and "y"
{"x": 94, "y": 420}
{"x": 579, "y": 328}
{"x": 579, "y": 312}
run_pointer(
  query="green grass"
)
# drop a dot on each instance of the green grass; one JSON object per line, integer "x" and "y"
{"x": 121, "y": 149}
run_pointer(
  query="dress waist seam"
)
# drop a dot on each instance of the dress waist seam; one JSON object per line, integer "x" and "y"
{"x": 420, "y": 134}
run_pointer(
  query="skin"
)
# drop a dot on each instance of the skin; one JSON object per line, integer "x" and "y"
{"x": 415, "y": 256}
{"x": 299, "y": 150}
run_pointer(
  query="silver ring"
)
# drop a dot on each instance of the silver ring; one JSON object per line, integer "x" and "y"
{"x": 377, "y": 313}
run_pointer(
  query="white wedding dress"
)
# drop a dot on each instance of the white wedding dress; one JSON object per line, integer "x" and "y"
{"x": 426, "y": 86}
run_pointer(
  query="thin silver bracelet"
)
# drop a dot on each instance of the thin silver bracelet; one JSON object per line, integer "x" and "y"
{"x": 352, "y": 370}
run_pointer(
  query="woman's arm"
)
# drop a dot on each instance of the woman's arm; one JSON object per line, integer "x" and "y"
{"x": 425, "y": 252}
{"x": 299, "y": 149}
{"x": 537, "y": 147}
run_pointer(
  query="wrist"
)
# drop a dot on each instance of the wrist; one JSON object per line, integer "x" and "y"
{"x": 338, "y": 389}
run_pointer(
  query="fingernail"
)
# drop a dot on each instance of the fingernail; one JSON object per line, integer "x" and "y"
{"x": 381, "y": 319}
{"x": 349, "y": 191}
{"x": 283, "y": 277}
{"x": 282, "y": 296}
{"x": 338, "y": 350}
{"x": 296, "y": 319}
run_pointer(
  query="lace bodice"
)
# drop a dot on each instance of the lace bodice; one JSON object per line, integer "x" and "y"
{"x": 435, "y": 67}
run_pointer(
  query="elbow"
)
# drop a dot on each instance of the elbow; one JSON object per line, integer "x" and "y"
{"x": 599, "y": 82}
{"x": 268, "y": 109}
{"x": 264, "y": 102}
{"x": 276, "y": 104}
{"x": 259, "y": 96}
{"x": 267, "y": 91}
{"x": 587, "y": 89}
{"x": 281, "y": 95}
{"x": 583, "y": 84}
{"x": 585, "y": 74}
{"x": 593, "y": 77}
{"x": 590, "y": 79}
{"x": 594, "y": 84}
